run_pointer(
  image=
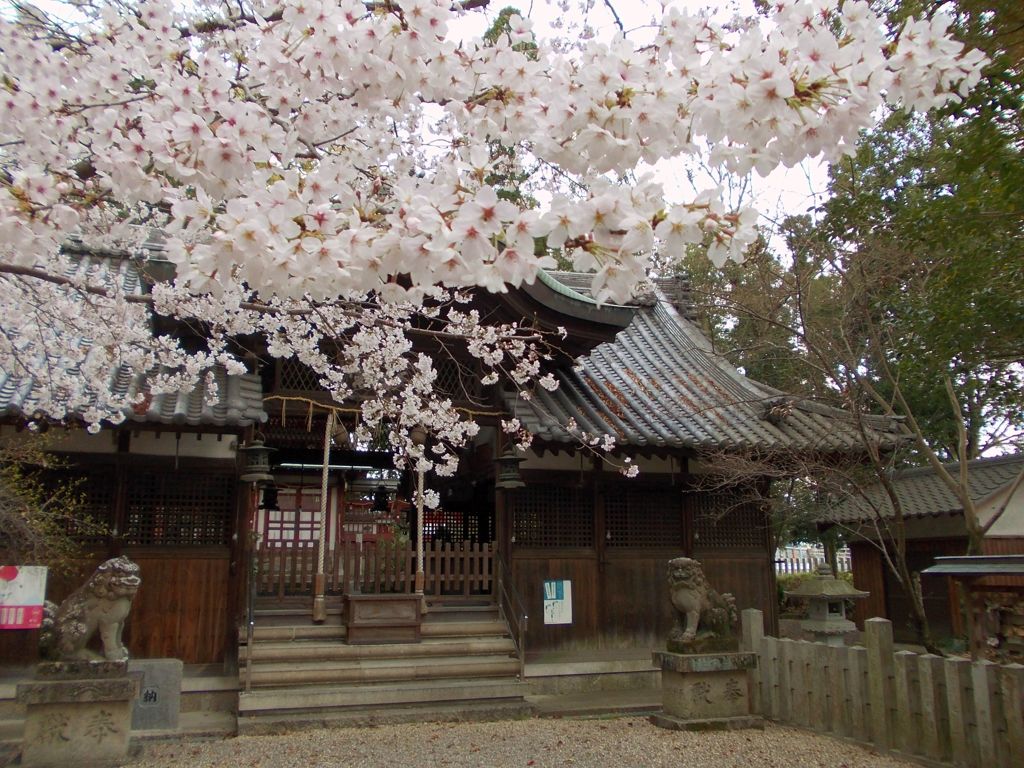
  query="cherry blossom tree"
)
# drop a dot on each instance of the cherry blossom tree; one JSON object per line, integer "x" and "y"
{"x": 317, "y": 173}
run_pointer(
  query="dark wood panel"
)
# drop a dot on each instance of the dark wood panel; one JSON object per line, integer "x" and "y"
{"x": 181, "y": 610}
{"x": 867, "y": 576}
{"x": 638, "y": 611}
{"x": 1003, "y": 545}
{"x": 529, "y": 575}
{"x": 748, "y": 576}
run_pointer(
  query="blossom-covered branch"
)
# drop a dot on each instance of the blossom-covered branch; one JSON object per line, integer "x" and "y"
{"x": 333, "y": 154}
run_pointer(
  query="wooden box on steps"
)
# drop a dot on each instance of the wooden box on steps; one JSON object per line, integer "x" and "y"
{"x": 375, "y": 619}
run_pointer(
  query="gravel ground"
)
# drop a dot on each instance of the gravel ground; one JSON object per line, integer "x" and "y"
{"x": 538, "y": 742}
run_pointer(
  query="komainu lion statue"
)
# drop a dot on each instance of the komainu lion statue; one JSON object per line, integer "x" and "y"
{"x": 696, "y": 605}
{"x": 101, "y": 604}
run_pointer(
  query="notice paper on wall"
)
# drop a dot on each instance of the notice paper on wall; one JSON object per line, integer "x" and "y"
{"x": 558, "y": 601}
{"x": 22, "y": 592}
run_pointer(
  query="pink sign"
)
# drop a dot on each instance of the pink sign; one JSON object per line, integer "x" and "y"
{"x": 22, "y": 591}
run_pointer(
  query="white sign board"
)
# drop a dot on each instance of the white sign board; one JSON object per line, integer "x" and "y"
{"x": 22, "y": 592}
{"x": 558, "y": 601}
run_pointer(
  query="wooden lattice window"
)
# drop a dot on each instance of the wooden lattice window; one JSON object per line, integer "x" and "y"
{"x": 726, "y": 521}
{"x": 294, "y": 376}
{"x": 643, "y": 517}
{"x": 94, "y": 492}
{"x": 456, "y": 380}
{"x": 450, "y": 525}
{"x": 553, "y": 516}
{"x": 179, "y": 508}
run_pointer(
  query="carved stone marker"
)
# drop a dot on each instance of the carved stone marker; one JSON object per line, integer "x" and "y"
{"x": 706, "y": 691}
{"x": 78, "y": 713}
{"x": 158, "y": 707}
{"x": 702, "y": 687}
{"x": 79, "y": 710}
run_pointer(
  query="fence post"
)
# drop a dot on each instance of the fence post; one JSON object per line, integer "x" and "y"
{"x": 857, "y": 663}
{"x": 934, "y": 731}
{"x": 1012, "y": 686}
{"x": 786, "y": 648}
{"x": 768, "y": 663}
{"x": 878, "y": 637}
{"x": 907, "y": 733}
{"x": 987, "y": 712}
{"x": 819, "y": 684}
{"x": 752, "y": 629}
{"x": 840, "y": 689}
{"x": 958, "y": 677}
{"x": 799, "y": 708}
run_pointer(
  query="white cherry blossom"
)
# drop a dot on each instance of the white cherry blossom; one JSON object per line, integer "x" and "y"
{"x": 318, "y": 170}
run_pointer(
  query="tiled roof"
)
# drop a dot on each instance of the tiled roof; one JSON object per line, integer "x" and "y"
{"x": 240, "y": 401}
{"x": 659, "y": 385}
{"x": 921, "y": 492}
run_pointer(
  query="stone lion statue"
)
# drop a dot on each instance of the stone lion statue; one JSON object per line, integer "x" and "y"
{"x": 100, "y": 605}
{"x": 696, "y": 604}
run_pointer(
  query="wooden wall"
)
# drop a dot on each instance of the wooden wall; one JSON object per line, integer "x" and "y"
{"x": 181, "y": 610}
{"x": 868, "y": 576}
{"x": 749, "y": 575}
{"x": 623, "y": 601}
{"x": 613, "y": 538}
{"x": 888, "y": 599}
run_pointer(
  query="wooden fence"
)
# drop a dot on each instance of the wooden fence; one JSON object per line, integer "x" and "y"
{"x": 943, "y": 709}
{"x": 461, "y": 568}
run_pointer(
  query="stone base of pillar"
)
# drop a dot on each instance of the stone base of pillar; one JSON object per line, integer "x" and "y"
{"x": 78, "y": 713}
{"x": 702, "y": 692}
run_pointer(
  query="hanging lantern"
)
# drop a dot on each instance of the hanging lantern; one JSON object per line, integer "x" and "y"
{"x": 257, "y": 462}
{"x": 508, "y": 471}
{"x": 270, "y": 498}
{"x": 418, "y": 435}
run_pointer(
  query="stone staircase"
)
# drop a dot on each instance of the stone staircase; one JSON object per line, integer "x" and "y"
{"x": 305, "y": 675}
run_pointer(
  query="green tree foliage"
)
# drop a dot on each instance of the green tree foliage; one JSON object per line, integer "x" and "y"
{"x": 904, "y": 294}
{"x": 41, "y": 516}
{"x": 927, "y": 218}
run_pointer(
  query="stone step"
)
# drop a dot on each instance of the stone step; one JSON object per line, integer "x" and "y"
{"x": 298, "y": 652}
{"x": 270, "y": 723}
{"x": 381, "y": 670}
{"x": 309, "y": 699}
{"x": 463, "y": 628}
{"x": 298, "y": 632}
{"x": 11, "y": 730}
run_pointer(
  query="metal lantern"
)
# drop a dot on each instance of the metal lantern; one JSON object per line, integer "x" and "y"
{"x": 508, "y": 472}
{"x": 270, "y": 498}
{"x": 418, "y": 435}
{"x": 257, "y": 462}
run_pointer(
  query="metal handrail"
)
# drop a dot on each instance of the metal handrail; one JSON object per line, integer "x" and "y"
{"x": 250, "y": 619}
{"x": 510, "y": 604}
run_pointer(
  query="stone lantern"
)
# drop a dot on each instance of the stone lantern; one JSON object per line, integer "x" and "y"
{"x": 826, "y": 598}
{"x": 257, "y": 462}
{"x": 508, "y": 477}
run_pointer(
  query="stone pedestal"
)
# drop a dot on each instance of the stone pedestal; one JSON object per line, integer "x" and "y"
{"x": 158, "y": 705}
{"x": 705, "y": 691}
{"x": 78, "y": 713}
{"x": 375, "y": 619}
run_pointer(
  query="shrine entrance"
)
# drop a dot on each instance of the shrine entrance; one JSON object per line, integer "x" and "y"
{"x": 367, "y": 531}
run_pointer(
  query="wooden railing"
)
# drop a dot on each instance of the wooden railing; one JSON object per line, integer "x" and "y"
{"x": 461, "y": 568}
